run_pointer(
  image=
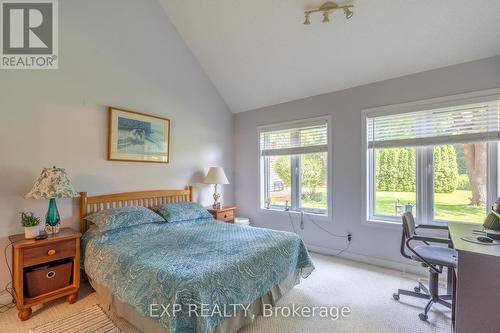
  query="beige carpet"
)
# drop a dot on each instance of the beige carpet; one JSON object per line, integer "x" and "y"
{"x": 366, "y": 289}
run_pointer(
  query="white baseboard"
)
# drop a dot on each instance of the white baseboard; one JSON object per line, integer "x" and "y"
{"x": 399, "y": 266}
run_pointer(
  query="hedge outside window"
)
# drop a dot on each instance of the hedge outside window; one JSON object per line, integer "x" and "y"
{"x": 396, "y": 181}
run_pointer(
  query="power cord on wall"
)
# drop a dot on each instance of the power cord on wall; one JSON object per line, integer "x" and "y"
{"x": 8, "y": 287}
{"x": 348, "y": 236}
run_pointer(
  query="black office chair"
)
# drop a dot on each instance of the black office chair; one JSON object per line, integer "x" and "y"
{"x": 433, "y": 257}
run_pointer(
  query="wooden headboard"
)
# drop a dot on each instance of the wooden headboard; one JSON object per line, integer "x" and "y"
{"x": 89, "y": 205}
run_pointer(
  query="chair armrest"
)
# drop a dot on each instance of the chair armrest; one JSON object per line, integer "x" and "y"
{"x": 431, "y": 239}
{"x": 432, "y": 226}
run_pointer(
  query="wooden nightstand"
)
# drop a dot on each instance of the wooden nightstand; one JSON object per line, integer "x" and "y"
{"x": 225, "y": 213}
{"x": 29, "y": 255}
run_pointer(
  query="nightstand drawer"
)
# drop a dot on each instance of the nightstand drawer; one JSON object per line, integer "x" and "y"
{"x": 49, "y": 252}
{"x": 224, "y": 214}
{"x": 227, "y": 216}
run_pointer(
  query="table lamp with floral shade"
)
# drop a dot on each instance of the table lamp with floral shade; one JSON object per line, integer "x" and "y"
{"x": 53, "y": 183}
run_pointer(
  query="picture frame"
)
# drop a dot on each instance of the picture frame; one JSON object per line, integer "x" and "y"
{"x": 137, "y": 137}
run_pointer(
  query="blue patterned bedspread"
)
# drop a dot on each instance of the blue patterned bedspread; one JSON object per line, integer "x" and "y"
{"x": 192, "y": 262}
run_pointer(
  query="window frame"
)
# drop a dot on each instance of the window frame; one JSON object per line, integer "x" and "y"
{"x": 295, "y": 165}
{"x": 424, "y": 160}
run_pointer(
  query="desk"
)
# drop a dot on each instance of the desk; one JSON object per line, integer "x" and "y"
{"x": 477, "y": 290}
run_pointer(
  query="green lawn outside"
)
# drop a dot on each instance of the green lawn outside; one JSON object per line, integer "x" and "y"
{"x": 448, "y": 206}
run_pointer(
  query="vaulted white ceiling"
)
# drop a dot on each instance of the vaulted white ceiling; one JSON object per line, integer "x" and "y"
{"x": 258, "y": 52}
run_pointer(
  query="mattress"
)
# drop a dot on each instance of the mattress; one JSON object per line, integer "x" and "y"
{"x": 115, "y": 307}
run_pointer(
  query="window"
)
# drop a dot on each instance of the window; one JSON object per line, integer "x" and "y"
{"x": 294, "y": 167}
{"x": 395, "y": 181}
{"x": 438, "y": 163}
{"x": 458, "y": 169}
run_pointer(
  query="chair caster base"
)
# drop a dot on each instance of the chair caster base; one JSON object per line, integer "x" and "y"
{"x": 422, "y": 316}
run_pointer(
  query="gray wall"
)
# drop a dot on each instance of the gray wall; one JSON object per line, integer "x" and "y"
{"x": 370, "y": 243}
{"x": 121, "y": 53}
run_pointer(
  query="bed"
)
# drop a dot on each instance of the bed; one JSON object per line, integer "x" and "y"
{"x": 197, "y": 275}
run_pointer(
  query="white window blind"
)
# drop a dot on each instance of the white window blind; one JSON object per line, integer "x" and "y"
{"x": 458, "y": 124}
{"x": 301, "y": 139}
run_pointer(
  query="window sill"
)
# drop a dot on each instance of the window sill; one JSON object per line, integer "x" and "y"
{"x": 382, "y": 223}
{"x": 373, "y": 222}
{"x": 440, "y": 222}
{"x": 293, "y": 212}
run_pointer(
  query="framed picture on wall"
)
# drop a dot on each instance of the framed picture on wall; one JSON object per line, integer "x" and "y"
{"x": 137, "y": 137}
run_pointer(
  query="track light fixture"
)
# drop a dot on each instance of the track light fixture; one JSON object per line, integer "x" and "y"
{"x": 327, "y": 8}
{"x": 348, "y": 12}
{"x": 307, "y": 21}
{"x": 325, "y": 17}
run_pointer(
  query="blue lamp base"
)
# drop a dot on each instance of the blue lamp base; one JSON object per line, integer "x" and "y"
{"x": 52, "y": 218}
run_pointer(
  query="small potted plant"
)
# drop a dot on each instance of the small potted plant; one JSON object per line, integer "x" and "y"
{"x": 31, "y": 224}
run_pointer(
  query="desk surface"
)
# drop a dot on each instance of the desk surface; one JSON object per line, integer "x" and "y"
{"x": 459, "y": 230}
